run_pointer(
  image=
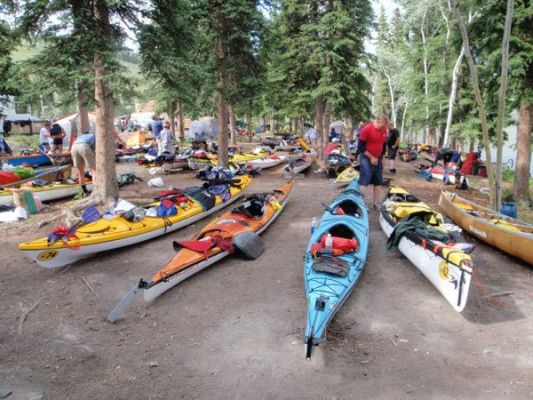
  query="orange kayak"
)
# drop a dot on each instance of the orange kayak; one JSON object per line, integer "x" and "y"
{"x": 214, "y": 242}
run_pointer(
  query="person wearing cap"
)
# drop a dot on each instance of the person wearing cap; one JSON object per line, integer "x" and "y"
{"x": 83, "y": 157}
{"x": 371, "y": 145}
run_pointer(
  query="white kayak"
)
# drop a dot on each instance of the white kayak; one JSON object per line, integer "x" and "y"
{"x": 264, "y": 163}
{"x": 45, "y": 193}
{"x": 447, "y": 266}
{"x": 299, "y": 165}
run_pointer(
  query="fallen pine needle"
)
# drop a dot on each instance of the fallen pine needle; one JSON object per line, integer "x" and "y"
{"x": 89, "y": 286}
{"x": 26, "y": 313}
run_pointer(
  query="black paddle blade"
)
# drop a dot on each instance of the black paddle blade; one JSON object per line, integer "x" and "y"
{"x": 250, "y": 244}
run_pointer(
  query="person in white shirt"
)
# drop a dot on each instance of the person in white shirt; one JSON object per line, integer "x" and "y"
{"x": 167, "y": 139}
{"x": 311, "y": 135}
{"x": 44, "y": 137}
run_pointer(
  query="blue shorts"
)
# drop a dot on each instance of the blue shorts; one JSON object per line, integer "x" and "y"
{"x": 370, "y": 174}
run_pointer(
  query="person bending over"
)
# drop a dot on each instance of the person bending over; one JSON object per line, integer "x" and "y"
{"x": 371, "y": 143}
{"x": 83, "y": 157}
{"x": 57, "y": 134}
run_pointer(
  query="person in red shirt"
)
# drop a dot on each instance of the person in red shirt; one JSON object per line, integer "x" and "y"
{"x": 371, "y": 147}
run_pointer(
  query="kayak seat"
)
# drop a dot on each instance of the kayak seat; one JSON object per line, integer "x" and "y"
{"x": 350, "y": 207}
{"x": 253, "y": 207}
{"x": 341, "y": 231}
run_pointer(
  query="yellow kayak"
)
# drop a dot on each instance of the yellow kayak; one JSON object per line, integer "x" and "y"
{"x": 212, "y": 159}
{"x": 110, "y": 234}
{"x": 346, "y": 177}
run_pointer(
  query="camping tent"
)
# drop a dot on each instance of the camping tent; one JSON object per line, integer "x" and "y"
{"x": 204, "y": 129}
{"x": 338, "y": 125}
{"x": 71, "y": 125}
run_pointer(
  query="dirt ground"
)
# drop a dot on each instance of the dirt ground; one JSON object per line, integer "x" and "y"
{"x": 232, "y": 331}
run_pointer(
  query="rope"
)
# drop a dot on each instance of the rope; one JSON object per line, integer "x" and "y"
{"x": 500, "y": 303}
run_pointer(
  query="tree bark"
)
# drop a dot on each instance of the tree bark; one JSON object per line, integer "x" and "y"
{"x": 403, "y": 118}
{"x": 172, "y": 115}
{"x": 392, "y": 100}
{"x": 232, "y": 124}
{"x": 319, "y": 124}
{"x": 501, "y": 100}
{"x": 327, "y": 121}
{"x": 222, "y": 140}
{"x": 180, "y": 124}
{"x": 426, "y": 73}
{"x": 479, "y": 100}
{"x": 83, "y": 103}
{"x": 523, "y": 153}
{"x": 106, "y": 188}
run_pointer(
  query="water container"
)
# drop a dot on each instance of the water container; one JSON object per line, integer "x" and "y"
{"x": 509, "y": 209}
{"x": 329, "y": 244}
{"x": 314, "y": 223}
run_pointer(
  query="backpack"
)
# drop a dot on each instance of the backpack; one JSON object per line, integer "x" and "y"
{"x": 166, "y": 209}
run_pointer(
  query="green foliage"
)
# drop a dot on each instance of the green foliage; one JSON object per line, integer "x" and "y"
{"x": 172, "y": 54}
{"x": 317, "y": 50}
{"x": 54, "y": 60}
{"x": 31, "y": 141}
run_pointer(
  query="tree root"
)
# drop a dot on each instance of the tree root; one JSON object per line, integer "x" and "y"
{"x": 25, "y": 314}
{"x": 94, "y": 199}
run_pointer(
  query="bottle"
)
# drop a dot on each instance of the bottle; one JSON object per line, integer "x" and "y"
{"x": 329, "y": 244}
{"x": 314, "y": 223}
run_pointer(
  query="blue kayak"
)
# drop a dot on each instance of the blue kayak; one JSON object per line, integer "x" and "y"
{"x": 334, "y": 260}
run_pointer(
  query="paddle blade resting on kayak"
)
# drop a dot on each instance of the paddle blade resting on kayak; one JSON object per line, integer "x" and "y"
{"x": 334, "y": 260}
{"x": 235, "y": 230}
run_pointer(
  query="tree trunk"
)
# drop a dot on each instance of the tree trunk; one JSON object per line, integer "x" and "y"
{"x": 180, "y": 124}
{"x": 327, "y": 121}
{"x": 523, "y": 153}
{"x": 106, "y": 188}
{"x": 426, "y": 73}
{"x": 453, "y": 95}
{"x": 83, "y": 103}
{"x": 501, "y": 100}
{"x": 392, "y": 100}
{"x": 41, "y": 100}
{"x": 232, "y": 124}
{"x": 403, "y": 119}
{"x": 222, "y": 140}
{"x": 172, "y": 115}
{"x": 319, "y": 124}
{"x": 479, "y": 100}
